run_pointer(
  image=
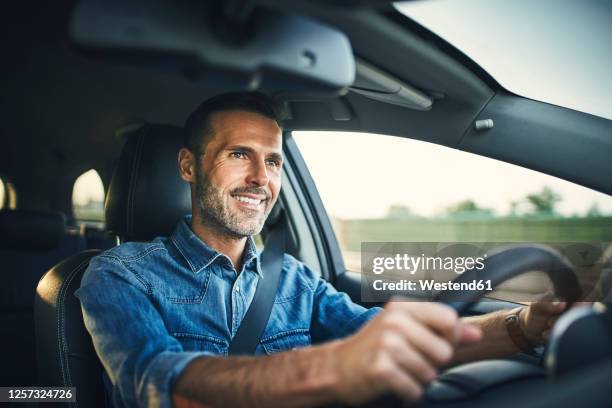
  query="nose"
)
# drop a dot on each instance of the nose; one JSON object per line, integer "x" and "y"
{"x": 258, "y": 173}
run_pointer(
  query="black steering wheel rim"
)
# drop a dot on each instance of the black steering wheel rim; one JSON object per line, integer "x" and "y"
{"x": 508, "y": 262}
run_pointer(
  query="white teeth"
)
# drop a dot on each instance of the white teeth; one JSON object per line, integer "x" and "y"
{"x": 248, "y": 200}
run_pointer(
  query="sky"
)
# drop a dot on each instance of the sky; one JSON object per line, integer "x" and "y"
{"x": 360, "y": 175}
{"x": 555, "y": 51}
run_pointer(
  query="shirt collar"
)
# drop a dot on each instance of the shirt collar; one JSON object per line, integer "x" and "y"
{"x": 199, "y": 255}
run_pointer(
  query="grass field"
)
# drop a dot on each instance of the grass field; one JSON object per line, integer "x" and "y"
{"x": 351, "y": 233}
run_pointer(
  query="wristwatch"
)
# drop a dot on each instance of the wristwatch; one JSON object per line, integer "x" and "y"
{"x": 516, "y": 332}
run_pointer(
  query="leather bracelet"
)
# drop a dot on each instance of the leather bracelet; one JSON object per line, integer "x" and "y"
{"x": 516, "y": 332}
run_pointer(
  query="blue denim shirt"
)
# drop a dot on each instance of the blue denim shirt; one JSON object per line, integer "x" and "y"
{"x": 151, "y": 308}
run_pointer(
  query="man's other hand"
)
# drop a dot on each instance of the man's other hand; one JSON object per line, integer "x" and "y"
{"x": 399, "y": 351}
{"x": 539, "y": 317}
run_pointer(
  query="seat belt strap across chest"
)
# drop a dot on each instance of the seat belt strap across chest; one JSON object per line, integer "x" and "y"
{"x": 256, "y": 318}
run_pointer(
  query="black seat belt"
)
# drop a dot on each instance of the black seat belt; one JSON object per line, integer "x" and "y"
{"x": 256, "y": 318}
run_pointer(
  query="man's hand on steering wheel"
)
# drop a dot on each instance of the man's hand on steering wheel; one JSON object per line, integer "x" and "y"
{"x": 399, "y": 351}
{"x": 538, "y": 318}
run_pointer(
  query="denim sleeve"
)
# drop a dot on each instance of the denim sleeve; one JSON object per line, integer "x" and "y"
{"x": 139, "y": 355}
{"x": 334, "y": 314}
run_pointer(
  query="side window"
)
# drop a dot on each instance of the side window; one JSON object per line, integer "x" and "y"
{"x": 8, "y": 196}
{"x": 383, "y": 188}
{"x": 88, "y": 197}
{"x": 2, "y": 194}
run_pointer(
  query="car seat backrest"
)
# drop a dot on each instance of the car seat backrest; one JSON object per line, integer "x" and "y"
{"x": 31, "y": 230}
{"x": 98, "y": 238}
{"x": 30, "y": 243}
{"x": 146, "y": 198}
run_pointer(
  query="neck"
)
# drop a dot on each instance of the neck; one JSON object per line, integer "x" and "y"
{"x": 230, "y": 246}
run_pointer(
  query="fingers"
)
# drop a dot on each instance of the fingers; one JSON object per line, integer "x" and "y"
{"x": 470, "y": 334}
{"x": 401, "y": 383}
{"x": 548, "y": 306}
{"x": 432, "y": 329}
{"x": 413, "y": 339}
{"x": 547, "y": 312}
{"x": 411, "y": 344}
{"x": 438, "y": 317}
{"x": 407, "y": 320}
{"x": 410, "y": 360}
{"x": 436, "y": 349}
{"x": 582, "y": 304}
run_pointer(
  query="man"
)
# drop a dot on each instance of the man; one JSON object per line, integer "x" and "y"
{"x": 162, "y": 314}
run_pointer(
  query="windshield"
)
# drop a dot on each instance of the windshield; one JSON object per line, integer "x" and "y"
{"x": 554, "y": 51}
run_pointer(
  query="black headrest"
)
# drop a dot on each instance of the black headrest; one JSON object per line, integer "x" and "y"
{"x": 21, "y": 229}
{"x": 147, "y": 197}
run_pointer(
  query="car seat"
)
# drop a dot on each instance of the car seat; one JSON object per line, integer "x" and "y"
{"x": 30, "y": 243}
{"x": 146, "y": 198}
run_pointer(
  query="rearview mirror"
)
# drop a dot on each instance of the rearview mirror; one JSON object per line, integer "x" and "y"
{"x": 275, "y": 51}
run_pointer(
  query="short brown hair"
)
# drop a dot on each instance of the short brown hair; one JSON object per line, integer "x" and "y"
{"x": 198, "y": 130}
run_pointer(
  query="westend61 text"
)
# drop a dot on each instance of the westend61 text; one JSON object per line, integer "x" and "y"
{"x": 430, "y": 284}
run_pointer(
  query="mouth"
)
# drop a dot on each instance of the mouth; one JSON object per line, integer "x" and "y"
{"x": 250, "y": 201}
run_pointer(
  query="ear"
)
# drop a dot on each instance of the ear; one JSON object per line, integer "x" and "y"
{"x": 186, "y": 165}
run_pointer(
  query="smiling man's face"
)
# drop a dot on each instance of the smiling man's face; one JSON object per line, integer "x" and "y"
{"x": 238, "y": 177}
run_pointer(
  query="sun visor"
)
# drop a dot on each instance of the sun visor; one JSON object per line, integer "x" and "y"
{"x": 378, "y": 85}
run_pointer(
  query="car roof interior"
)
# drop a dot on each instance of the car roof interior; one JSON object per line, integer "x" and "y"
{"x": 63, "y": 109}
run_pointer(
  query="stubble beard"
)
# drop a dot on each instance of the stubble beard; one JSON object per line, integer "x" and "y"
{"x": 216, "y": 215}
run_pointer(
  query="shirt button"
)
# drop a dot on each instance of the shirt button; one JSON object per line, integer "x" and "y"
{"x": 237, "y": 288}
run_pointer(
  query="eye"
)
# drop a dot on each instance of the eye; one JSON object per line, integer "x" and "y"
{"x": 238, "y": 154}
{"x": 273, "y": 163}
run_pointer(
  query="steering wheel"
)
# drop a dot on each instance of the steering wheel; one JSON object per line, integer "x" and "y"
{"x": 500, "y": 266}
{"x": 509, "y": 262}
